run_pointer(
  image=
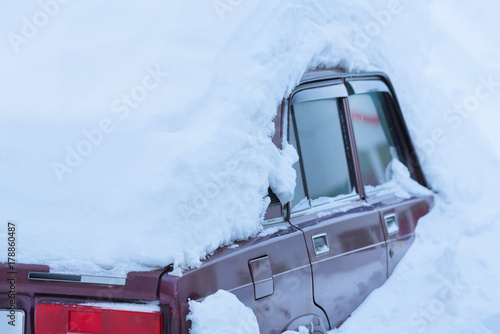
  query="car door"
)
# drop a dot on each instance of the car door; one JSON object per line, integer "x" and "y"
{"x": 343, "y": 234}
{"x": 384, "y": 150}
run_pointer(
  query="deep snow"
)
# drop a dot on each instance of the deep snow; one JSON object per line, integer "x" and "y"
{"x": 204, "y": 82}
{"x": 222, "y": 313}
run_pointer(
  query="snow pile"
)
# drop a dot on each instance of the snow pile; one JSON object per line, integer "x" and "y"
{"x": 399, "y": 175}
{"x": 135, "y": 136}
{"x": 222, "y": 313}
{"x": 302, "y": 330}
{"x": 400, "y": 183}
{"x": 448, "y": 280}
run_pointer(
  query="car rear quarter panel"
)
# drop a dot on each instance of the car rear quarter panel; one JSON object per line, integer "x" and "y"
{"x": 228, "y": 269}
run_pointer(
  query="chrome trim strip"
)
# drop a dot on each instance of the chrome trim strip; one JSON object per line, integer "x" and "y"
{"x": 326, "y": 206}
{"x": 52, "y": 277}
{"x": 36, "y": 276}
{"x": 272, "y": 221}
{"x": 360, "y": 86}
{"x": 320, "y": 93}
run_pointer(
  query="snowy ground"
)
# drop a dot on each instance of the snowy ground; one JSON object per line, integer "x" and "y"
{"x": 114, "y": 116}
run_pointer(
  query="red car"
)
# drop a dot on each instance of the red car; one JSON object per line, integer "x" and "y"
{"x": 360, "y": 193}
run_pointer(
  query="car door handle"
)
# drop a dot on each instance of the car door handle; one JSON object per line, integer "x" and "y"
{"x": 320, "y": 244}
{"x": 391, "y": 223}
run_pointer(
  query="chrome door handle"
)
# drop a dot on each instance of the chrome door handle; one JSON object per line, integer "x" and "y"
{"x": 391, "y": 223}
{"x": 320, "y": 244}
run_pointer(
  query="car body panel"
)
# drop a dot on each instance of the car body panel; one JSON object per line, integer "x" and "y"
{"x": 407, "y": 212}
{"x": 229, "y": 269}
{"x": 139, "y": 287}
{"x": 356, "y": 245}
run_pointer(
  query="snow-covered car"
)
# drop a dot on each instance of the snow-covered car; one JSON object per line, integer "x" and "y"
{"x": 359, "y": 194}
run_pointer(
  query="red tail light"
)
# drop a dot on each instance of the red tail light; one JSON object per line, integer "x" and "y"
{"x": 58, "y": 318}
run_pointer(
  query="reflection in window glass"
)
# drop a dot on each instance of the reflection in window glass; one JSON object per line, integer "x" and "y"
{"x": 322, "y": 148}
{"x": 373, "y": 136}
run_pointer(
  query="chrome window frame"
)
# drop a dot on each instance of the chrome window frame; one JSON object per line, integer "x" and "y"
{"x": 328, "y": 89}
{"x": 354, "y": 84}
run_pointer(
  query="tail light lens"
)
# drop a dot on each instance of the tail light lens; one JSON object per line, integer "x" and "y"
{"x": 59, "y": 318}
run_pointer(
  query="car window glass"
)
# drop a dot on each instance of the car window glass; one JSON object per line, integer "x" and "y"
{"x": 322, "y": 149}
{"x": 374, "y": 136}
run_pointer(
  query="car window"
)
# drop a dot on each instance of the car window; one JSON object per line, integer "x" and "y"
{"x": 320, "y": 141}
{"x": 374, "y": 135}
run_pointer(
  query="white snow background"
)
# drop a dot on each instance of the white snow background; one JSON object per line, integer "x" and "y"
{"x": 205, "y": 79}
